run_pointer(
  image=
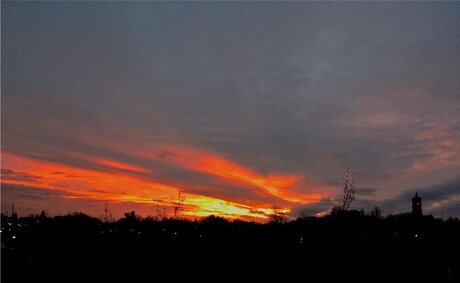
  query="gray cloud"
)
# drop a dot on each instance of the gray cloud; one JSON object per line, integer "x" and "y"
{"x": 8, "y": 174}
{"x": 324, "y": 205}
{"x": 439, "y": 192}
{"x": 365, "y": 191}
{"x": 29, "y": 193}
{"x": 295, "y": 88}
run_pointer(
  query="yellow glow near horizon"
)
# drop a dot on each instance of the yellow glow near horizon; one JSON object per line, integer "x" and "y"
{"x": 121, "y": 187}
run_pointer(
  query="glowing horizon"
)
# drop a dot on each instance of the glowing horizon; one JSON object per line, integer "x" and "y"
{"x": 104, "y": 184}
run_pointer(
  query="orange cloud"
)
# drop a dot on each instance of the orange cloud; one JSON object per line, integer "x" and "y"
{"x": 440, "y": 147}
{"x": 119, "y": 165}
{"x": 121, "y": 182}
{"x": 85, "y": 181}
{"x": 276, "y": 185}
{"x": 122, "y": 187}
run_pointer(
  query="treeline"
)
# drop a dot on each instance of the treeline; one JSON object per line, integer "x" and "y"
{"x": 344, "y": 246}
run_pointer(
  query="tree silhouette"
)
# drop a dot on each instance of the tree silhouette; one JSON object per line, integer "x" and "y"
{"x": 135, "y": 248}
{"x": 376, "y": 212}
{"x": 336, "y": 210}
{"x": 162, "y": 212}
{"x": 43, "y": 214}
{"x": 131, "y": 216}
{"x": 277, "y": 217}
{"x": 179, "y": 204}
{"x": 108, "y": 216}
{"x": 14, "y": 215}
{"x": 349, "y": 190}
{"x": 303, "y": 212}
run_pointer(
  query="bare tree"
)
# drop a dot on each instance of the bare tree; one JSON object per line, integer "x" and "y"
{"x": 303, "y": 212}
{"x": 161, "y": 212}
{"x": 277, "y": 216}
{"x": 179, "y": 204}
{"x": 349, "y": 190}
{"x": 107, "y": 217}
{"x": 376, "y": 212}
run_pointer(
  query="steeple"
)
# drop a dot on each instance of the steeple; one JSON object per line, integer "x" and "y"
{"x": 417, "y": 205}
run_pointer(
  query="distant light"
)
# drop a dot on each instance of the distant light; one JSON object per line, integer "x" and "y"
{"x": 201, "y": 236}
{"x": 416, "y": 235}
{"x": 14, "y": 237}
{"x": 175, "y": 233}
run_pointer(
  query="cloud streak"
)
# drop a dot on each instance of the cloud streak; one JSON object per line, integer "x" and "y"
{"x": 120, "y": 182}
{"x": 254, "y": 104}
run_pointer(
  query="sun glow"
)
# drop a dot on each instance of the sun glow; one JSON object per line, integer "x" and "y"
{"x": 123, "y": 187}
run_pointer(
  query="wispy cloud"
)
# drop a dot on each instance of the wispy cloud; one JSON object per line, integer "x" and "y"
{"x": 8, "y": 174}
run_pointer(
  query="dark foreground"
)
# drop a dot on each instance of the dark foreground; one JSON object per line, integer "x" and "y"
{"x": 345, "y": 247}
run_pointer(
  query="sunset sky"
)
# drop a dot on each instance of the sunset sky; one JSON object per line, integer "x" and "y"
{"x": 241, "y": 105}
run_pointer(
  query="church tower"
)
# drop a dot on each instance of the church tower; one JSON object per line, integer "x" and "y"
{"x": 417, "y": 205}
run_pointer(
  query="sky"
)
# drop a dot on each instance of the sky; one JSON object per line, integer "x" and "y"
{"x": 242, "y": 106}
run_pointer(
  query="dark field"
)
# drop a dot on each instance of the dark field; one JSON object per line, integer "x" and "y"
{"x": 343, "y": 247}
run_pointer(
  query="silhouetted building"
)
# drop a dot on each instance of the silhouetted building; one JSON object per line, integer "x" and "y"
{"x": 417, "y": 205}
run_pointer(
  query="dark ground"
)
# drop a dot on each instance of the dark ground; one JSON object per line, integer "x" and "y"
{"x": 343, "y": 247}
